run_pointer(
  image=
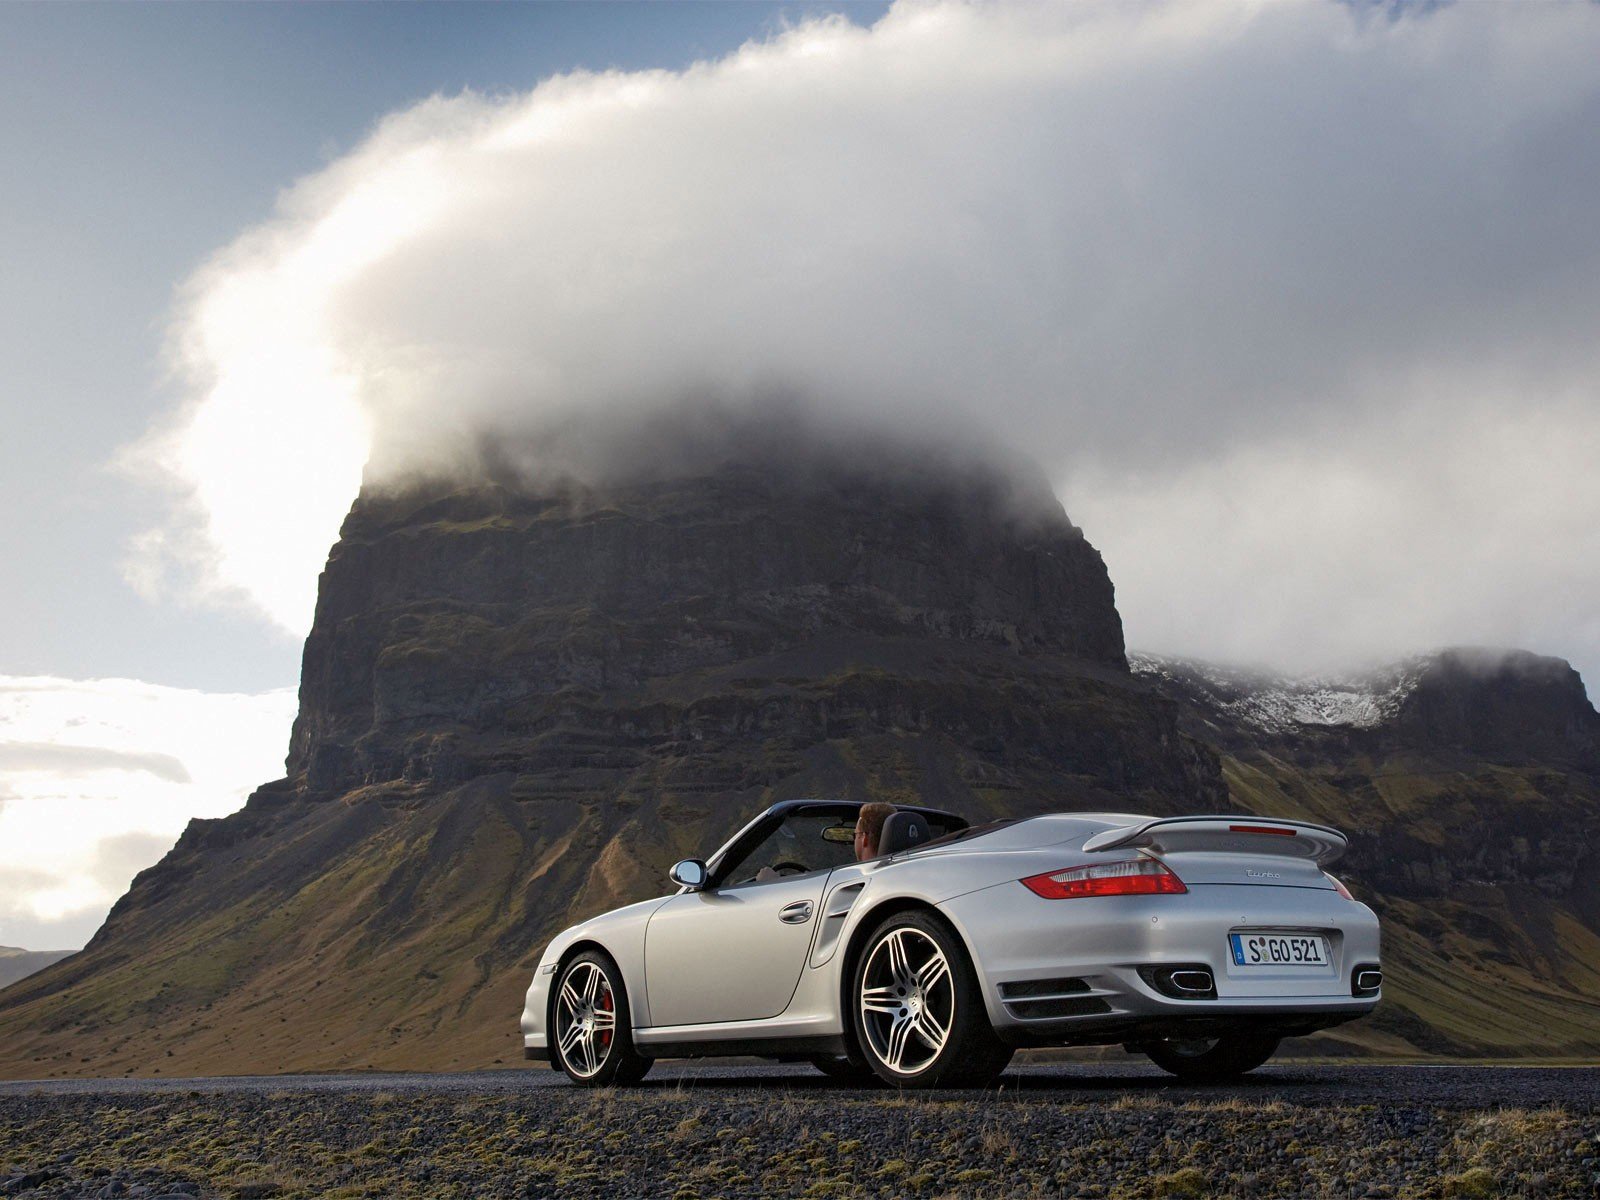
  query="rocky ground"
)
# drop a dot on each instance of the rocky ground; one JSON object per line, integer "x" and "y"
{"x": 697, "y": 1131}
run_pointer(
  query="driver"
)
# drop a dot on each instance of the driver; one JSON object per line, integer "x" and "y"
{"x": 869, "y": 832}
{"x": 869, "y": 829}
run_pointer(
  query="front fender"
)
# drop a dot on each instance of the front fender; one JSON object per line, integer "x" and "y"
{"x": 620, "y": 934}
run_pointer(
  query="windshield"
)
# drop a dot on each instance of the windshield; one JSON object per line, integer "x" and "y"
{"x": 799, "y": 845}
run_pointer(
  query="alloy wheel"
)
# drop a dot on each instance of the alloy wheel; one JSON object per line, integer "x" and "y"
{"x": 908, "y": 1001}
{"x": 586, "y": 1019}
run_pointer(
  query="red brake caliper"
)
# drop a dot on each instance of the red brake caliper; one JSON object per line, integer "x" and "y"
{"x": 605, "y": 1004}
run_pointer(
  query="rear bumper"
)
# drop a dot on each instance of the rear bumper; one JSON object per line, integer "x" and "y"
{"x": 1084, "y": 970}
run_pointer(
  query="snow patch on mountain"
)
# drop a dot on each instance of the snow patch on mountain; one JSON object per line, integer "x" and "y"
{"x": 1283, "y": 702}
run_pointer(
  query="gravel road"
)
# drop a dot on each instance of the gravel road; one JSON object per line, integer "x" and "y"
{"x": 695, "y": 1131}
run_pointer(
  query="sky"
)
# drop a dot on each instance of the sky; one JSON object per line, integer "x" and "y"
{"x": 1295, "y": 305}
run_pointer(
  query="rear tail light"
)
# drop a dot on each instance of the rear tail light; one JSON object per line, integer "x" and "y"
{"x": 1338, "y": 887}
{"x": 1134, "y": 877}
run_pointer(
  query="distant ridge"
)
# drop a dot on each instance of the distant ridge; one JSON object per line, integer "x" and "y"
{"x": 1274, "y": 702}
{"x": 18, "y": 964}
{"x": 1481, "y": 699}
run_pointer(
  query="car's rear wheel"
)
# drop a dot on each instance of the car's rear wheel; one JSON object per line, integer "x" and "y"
{"x": 592, "y": 1036}
{"x": 918, "y": 1013}
{"x": 1211, "y": 1060}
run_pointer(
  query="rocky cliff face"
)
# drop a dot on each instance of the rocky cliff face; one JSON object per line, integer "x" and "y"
{"x": 519, "y": 707}
{"x": 1508, "y": 705}
{"x": 497, "y": 630}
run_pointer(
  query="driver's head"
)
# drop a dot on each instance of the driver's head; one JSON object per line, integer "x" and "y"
{"x": 869, "y": 829}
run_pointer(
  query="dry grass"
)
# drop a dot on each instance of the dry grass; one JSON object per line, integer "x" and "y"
{"x": 558, "y": 1142}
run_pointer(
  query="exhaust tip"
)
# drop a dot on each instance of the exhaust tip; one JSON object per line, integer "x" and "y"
{"x": 1193, "y": 981}
{"x": 1183, "y": 981}
{"x": 1365, "y": 980}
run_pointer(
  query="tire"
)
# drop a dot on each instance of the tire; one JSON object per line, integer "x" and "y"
{"x": 845, "y": 1069}
{"x": 916, "y": 1010}
{"x": 591, "y": 1035}
{"x": 1212, "y": 1060}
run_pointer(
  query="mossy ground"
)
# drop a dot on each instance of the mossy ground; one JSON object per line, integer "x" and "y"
{"x": 690, "y": 1144}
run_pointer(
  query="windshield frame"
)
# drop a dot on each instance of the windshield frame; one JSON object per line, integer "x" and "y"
{"x": 756, "y": 831}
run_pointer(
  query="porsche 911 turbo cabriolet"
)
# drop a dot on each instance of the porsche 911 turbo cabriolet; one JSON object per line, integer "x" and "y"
{"x": 1200, "y": 941}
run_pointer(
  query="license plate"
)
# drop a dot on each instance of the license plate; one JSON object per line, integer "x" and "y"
{"x": 1278, "y": 950}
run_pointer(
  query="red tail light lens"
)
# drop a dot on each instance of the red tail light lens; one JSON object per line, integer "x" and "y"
{"x": 1133, "y": 877}
{"x": 1338, "y": 887}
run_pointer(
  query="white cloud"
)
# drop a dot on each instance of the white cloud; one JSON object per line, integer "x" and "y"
{"x": 98, "y": 778}
{"x": 1415, "y": 532}
{"x": 72, "y": 760}
{"x": 1308, "y": 289}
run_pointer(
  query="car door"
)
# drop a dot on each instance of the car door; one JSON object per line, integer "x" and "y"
{"x": 734, "y": 954}
{"x": 734, "y": 951}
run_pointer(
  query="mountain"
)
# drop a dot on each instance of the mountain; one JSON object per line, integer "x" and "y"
{"x": 519, "y": 706}
{"x": 1469, "y": 781}
{"x": 18, "y": 964}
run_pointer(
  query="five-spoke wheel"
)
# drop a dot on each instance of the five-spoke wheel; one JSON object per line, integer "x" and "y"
{"x": 908, "y": 1000}
{"x": 919, "y": 1018}
{"x": 592, "y": 1039}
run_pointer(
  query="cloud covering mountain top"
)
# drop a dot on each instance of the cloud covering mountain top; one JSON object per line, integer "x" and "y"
{"x": 1294, "y": 303}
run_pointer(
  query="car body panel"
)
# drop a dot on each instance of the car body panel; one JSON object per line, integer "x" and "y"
{"x": 748, "y": 945}
{"x": 1103, "y": 942}
{"x": 721, "y": 972}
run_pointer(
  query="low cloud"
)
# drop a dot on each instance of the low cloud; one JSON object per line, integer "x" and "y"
{"x": 74, "y": 760}
{"x": 1403, "y": 535}
{"x": 99, "y": 777}
{"x": 118, "y": 859}
{"x": 1294, "y": 303}
{"x": 20, "y": 925}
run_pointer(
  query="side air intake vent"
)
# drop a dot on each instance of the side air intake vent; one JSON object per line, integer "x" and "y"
{"x": 1060, "y": 1006}
{"x": 1042, "y": 987}
{"x": 1044, "y": 999}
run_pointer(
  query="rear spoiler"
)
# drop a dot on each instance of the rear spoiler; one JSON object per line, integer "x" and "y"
{"x": 1227, "y": 835}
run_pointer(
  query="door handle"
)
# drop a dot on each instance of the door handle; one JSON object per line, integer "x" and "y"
{"x": 797, "y": 913}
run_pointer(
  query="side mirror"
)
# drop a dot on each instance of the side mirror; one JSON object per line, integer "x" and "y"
{"x": 690, "y": 873}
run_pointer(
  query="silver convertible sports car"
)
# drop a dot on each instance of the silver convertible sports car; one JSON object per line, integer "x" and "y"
{"x": 1200, "y": 941}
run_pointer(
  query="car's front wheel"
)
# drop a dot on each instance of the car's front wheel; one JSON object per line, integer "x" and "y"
{"x": 919, "y": 1016}
{"x": 592, "y": 1037}
{"x": 1212, "y": 1060}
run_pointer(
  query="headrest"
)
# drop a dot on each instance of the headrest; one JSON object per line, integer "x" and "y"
{"x": 904, "y": 831}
